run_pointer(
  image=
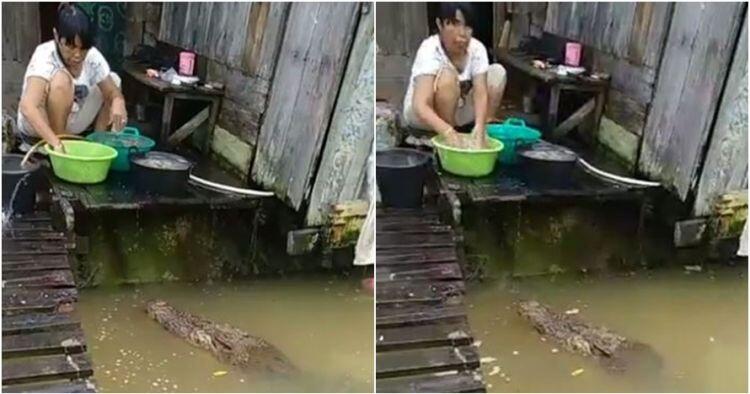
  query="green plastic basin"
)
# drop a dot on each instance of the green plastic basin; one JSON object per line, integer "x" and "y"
{"x": 468, "y": 162}
{"x": 513, "y": 133}
{"x": 82, "y": 162}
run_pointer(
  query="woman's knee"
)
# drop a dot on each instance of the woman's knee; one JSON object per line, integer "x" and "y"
{"x": 60, "y": 88}
{"x": 446, "y": 81}
{"x": 496, "y": 76}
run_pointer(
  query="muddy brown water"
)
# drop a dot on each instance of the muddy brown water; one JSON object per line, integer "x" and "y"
{"x": 695, "y": 322}
{"x": 323, "y": 324}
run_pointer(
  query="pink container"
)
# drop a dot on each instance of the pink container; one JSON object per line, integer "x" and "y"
{"x": 187, "y": 63}
{"x": 573, "y": 54}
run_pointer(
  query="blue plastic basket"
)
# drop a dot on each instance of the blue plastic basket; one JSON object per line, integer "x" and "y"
{"x": 513, "y": 133}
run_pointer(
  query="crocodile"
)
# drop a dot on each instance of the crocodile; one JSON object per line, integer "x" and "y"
{"x": 228, "y": 344}
{"x": 613, "y": 350}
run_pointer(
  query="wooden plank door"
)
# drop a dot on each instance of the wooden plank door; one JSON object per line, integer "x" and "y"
{"x": 725, "y": 169}
{"x": 343, "y": 169}
{"x": 306, "y": 82}
{"x": 692, "y": 73}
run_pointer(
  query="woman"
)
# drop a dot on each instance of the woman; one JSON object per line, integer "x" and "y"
{"x": 68, "y": 85}
{"x": 452, "y": 83}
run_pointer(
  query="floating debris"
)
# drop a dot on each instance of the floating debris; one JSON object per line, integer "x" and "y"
{"x": 495, "y": 370}
{"x": 485, "y": 360}
{"x": 577, "y": 372}
{"x": 555, "y": 350}
{"x": 515, "y": 353}
{"x": 573, "y": 311}
{"x": 220, "y": 373}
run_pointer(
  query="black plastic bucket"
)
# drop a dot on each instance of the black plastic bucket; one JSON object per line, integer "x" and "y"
{"x": 21, "y": 181}
{"x": 401, "y": 174}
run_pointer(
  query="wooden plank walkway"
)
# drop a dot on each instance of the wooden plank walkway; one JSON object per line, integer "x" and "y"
{"x": 423, "y": 339}
{"x": 44, "y": 348}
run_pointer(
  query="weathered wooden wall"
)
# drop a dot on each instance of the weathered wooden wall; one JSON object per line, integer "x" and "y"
{"x": 142, "y": 23}
{"x": 210, "y": 29}
{"x": 693, "y": 70}
{"x": 401, "y": 27}
{"x": 528, "y": 19}
{"x": 725, "y": 168}
{"x": 626, "y": 40}
{"x": 21, "y": 36}
{"x": 310, "y": 66}
{"x": 241, "y": 42}
{"x": 343, "y": 168}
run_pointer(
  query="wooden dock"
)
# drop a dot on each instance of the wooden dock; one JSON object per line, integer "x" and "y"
{"x": 44, "y": 348}
{"x": 424, "y": 342}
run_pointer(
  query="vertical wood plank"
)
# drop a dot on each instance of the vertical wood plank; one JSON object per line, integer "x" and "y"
{"x": 654, "y": 48}
{"x": 691, "y": 77}
{"x": 725, "y": 169}
{"x": 272, "y": 39}
{"x": 307, "y": 78}
{"x": 9, "y": 38}
{"x": 254, "y": 37}
{"x": 343, "y": 167}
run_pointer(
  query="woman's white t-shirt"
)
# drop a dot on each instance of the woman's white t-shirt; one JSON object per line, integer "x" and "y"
{"x": 46, "y": 62}
{"x": 431, "y": 58}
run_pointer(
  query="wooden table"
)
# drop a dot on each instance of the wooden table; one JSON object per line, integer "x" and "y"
{"x": 172, "y": 92}
{"x": 522, "y": 62}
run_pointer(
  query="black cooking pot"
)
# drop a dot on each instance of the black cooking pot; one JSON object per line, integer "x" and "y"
{"x": 161, "y": 173}
{"x": 19, "y": 184}
{"x": 547, "y": 165}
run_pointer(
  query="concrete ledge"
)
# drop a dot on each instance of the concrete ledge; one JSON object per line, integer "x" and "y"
{"x": 233, "y": 150}
{"x": 621, "y": 142}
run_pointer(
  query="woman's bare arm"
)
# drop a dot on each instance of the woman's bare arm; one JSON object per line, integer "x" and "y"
{"x": 112, "y": 94}
{"x": 423, "y": 104}
{"x": 32, "y": 107}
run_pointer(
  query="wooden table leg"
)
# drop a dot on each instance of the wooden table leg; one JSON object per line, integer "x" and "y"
{"x": 211, "y": 124}
{"x": 554, "y": 103}
{"x": 601, "y": 97}
{"x": 166, "y": 117}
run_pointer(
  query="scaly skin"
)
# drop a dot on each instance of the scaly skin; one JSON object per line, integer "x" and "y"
{"x": 230, "y": 345}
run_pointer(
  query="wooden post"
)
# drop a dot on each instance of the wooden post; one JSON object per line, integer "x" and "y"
{"x": 554, "y": 103}
{"x": 215, "y": 107}
{"x": 166, "y": 117}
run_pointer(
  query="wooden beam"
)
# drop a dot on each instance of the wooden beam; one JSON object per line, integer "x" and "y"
{"x": 399, "y": 363}
{"x": 44, "y": 343}
{"x": 460, "y": 382}
{"x": 575, "y": 119}
{"x": 38, "y": 322}
{"x": 45, "y": 368}
{"x": 421, "y": 272}
{"x": 431, "y": 335}
{"x": 188, "y": 128}
{"x": 75, "y": 386}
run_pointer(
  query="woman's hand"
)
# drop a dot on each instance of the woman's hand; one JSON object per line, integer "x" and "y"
{"x": 118, "y": 114}
{"x": 452, "y": 138}
{"x": 479, "y": 136}
{"x": 57, "y": 145}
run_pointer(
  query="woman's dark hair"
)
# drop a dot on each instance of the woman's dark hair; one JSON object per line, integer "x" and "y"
{"x": 72, "y": 22}
{"x": 447, "y": 13}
